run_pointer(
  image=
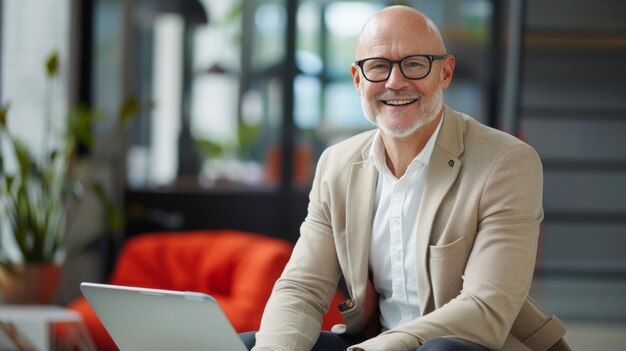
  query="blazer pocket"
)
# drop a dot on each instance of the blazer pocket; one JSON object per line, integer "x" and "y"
{"x": 446, "y": 264}
{"x": 448, "y": 250}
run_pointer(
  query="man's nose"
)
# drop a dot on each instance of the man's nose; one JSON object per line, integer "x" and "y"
{"x": 396, "y": 79}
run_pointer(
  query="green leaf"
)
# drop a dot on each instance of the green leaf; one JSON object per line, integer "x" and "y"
{"x": 52, "y": 64}
{"x": 53, "y": 155}
{"x": 247, "y": 135}
{"x": 3, "y": 116}
{"x": 128, "y": 111}
{"x": 80, "y": 127}
{"x": 115, "y": 217}
{"x": 8, "y": 180}
{"x": 208, "y": 148}
{"x": 234, "y": 12}
{"x": 23, "y": 158}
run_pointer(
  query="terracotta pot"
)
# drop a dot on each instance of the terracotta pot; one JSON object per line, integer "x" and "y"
{"x": 33, "y": 284}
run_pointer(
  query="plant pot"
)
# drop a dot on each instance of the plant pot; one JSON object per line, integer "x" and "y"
{"x": 33, "y": 284}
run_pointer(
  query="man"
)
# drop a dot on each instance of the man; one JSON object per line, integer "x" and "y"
{"x": 432, "y": 219}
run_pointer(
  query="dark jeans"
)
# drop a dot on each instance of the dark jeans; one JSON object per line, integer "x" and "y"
{"x": 329, "y": 341}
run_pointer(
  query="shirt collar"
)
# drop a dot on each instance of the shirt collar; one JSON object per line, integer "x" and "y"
{"x": 377, "y": 152}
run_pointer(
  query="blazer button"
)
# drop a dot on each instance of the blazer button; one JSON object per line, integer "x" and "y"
{"x": 451, "y": 163}
{"x": 339, "y": 329}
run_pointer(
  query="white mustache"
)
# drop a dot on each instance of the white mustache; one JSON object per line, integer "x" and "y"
{"x": 389, "y": 95}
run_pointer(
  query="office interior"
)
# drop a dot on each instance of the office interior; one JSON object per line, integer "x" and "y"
{"x": 237, "y": 100}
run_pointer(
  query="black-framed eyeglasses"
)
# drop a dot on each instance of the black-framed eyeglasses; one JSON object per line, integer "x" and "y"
{"x": 378, "y": 69}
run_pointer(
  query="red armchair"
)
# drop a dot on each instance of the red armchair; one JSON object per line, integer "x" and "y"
{"x": 237, "y": 268}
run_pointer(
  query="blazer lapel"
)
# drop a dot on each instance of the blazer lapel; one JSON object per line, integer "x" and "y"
{"x": 359, "y": 206}
{"x": 443, "y": 170}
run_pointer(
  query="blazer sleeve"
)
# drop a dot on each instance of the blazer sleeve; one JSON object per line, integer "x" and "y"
{"x": 498, "y": 273}
{"x": 293, "y": 314}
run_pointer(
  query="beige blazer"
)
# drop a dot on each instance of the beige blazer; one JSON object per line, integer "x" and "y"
{"x": 478, "y": 228}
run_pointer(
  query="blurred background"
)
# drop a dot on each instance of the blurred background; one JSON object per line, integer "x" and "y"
{"x": 239, "y": 98}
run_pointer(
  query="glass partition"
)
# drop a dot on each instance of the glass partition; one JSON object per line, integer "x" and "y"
{"x": 216, "y": 88}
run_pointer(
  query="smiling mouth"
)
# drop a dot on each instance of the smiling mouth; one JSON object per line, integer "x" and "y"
{"x": 398, "y": 102}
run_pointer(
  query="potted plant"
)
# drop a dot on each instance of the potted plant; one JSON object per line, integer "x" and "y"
{"x": 36, "y": 196}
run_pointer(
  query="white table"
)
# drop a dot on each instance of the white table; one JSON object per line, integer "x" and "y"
{"x": 31, "y": 327}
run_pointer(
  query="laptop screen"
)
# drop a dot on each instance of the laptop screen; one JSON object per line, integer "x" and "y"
{"x": 161, "y": 320}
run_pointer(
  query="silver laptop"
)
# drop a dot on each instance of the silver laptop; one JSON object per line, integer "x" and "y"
{"x": 161, "y": 320}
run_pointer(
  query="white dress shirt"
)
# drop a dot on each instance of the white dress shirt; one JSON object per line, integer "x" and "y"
{"x": 394, "y": 231}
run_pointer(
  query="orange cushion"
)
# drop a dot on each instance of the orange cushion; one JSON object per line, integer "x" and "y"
{"x": 237, "y": 268}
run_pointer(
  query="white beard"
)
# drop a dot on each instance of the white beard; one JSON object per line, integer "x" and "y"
{"x": 428, "y": 112}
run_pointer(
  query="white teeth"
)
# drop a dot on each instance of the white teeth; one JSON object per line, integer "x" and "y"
{"x": 398, "y": 102}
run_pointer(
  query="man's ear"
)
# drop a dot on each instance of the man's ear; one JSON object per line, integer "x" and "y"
{"x": 356, "y": 77}
{"x": 447, "y": 71}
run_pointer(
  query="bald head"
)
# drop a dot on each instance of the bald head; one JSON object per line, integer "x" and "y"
{"x": 399, "y": 27}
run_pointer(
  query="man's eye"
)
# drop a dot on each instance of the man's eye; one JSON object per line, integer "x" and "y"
{"x": 379, "y": 66}
{"x": 413, "y": 64}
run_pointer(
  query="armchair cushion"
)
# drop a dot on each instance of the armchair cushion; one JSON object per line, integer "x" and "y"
{"x": 237, "y": 268}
